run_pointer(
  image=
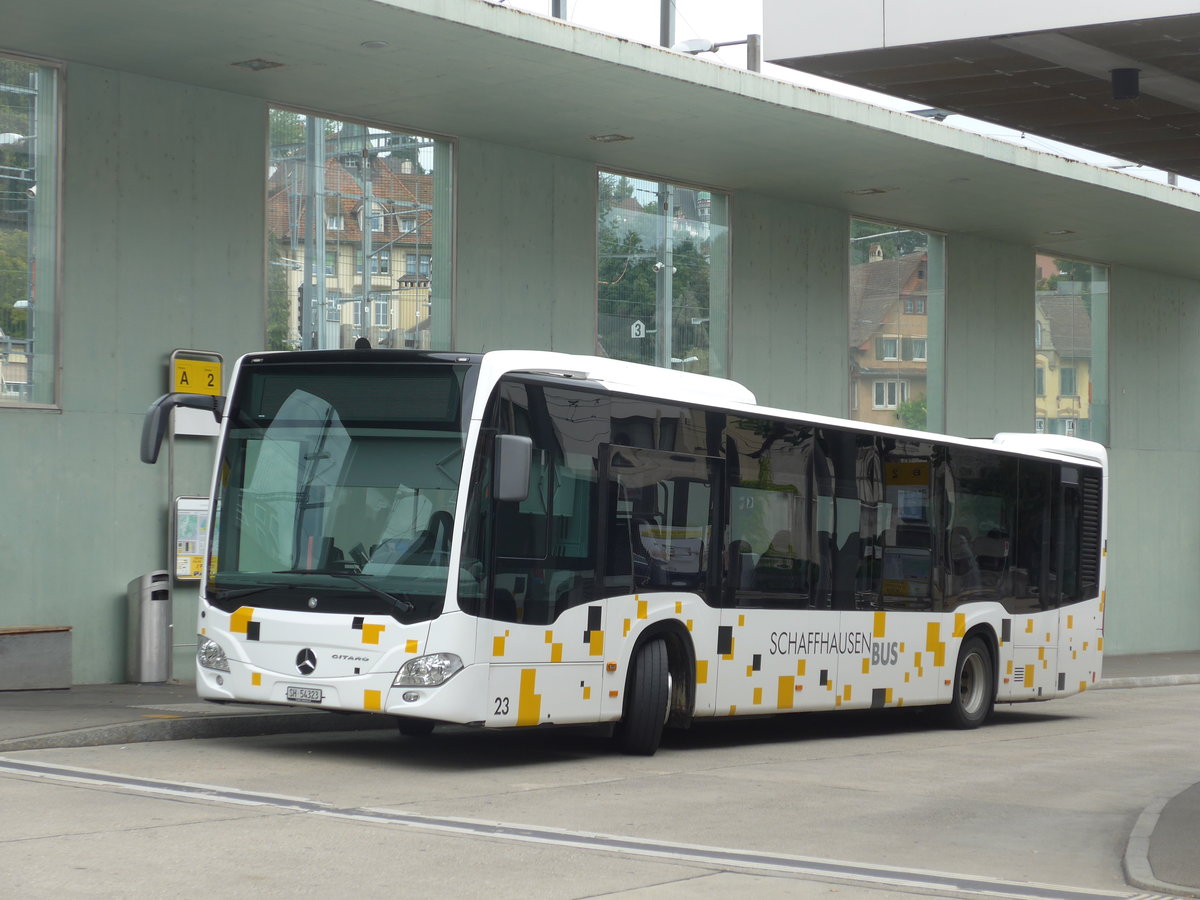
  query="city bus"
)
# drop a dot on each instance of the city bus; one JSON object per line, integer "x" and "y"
{"x": 526, "y": 539}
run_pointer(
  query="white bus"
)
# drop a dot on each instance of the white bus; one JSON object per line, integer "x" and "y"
{"x": 530, "y": 538}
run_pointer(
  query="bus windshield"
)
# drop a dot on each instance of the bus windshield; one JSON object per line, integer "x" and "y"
{"x": 336, "y": 488}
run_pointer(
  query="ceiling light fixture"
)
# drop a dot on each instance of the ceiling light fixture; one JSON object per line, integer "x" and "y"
{"x": 609, "y": 138}
{"x": 374, "y": 45}
{"x": 862, "y": 192}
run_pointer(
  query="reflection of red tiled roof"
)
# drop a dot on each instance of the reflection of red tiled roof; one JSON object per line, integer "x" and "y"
{"x": 627, "y": 203}
{"x": 876, "y": 286}
{"x": 402, "y": 196}
{"x": 1070, "y": 324}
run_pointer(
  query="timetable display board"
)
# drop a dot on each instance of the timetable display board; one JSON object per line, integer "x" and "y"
{"x": 191, "y": 537}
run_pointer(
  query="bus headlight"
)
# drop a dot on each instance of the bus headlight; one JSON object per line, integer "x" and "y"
{"x": 427, "y": 671}
{"x": 210, "y": 655}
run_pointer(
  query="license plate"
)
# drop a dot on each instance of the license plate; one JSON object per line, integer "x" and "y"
{"x": 305, "y": 694}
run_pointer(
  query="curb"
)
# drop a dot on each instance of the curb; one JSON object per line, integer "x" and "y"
{"x": 1136, "y": 862}
{"x": 1140, "y": 681}
{"x": 201, "y": 727}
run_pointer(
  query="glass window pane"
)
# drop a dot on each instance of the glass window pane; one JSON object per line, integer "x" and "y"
{"x": 662, "y": 280}
{"x": 896, "y": 308}
{"x": 775, "y": 554}
{"x": 28, "y": 230}
{"x": 1071, "y": 348}
{"x": 376, "y": 191}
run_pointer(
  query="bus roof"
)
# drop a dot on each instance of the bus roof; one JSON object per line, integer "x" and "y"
{"x": 686, "y": 387}
{"x": 616, "y": 373}
{"x": 706, "y": 390}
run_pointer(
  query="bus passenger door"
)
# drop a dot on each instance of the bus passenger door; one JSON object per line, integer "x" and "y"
{"x": 1032, "y": 673}
{"x": 544, "y": 627}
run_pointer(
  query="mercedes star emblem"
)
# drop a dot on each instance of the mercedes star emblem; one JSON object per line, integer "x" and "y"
{"x": 306, "y": 661}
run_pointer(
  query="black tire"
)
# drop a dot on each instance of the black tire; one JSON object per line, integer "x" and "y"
{"x": 414, "y": 727}
{"x": 647, "y": 694}
{"x": 974, "y": 692}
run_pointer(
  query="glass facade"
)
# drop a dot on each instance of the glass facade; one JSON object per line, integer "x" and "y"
{"x": 1070, "y": 341}
{"x": 897, "y": 315}
{"x": 29, "y": 150}
{"x": 339, "y": 193}
{"x": 663, "y": 274}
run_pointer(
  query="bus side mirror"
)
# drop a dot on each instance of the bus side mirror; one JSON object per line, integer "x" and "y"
{"x": 514, "y": 458}
{"x": 154, "y": 426}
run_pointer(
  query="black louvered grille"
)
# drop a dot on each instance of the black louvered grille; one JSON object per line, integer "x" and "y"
{"x": 1090, "y": 532}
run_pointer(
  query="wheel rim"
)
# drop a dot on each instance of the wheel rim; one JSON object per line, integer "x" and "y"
{"x": 971, "y": 682}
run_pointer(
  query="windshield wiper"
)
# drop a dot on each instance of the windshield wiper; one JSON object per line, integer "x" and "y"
{"x": 234, "y": 594}
{"x": 400, "y": 603}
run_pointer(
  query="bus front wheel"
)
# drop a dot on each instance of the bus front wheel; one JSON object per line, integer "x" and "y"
{"x": 974, "y": 692}
{"x": 647, "y": 693}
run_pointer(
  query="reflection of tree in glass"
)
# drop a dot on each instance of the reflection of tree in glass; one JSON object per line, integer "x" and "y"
{"x": 278, "y": 299}
{"x": 16, "y": 171}
{"x": 627, "y": 281}
{"x": 893, "y": 240}
{"x": 914, "y": 413}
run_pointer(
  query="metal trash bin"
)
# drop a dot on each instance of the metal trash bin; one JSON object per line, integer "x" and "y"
{"x": 148, "y": 642}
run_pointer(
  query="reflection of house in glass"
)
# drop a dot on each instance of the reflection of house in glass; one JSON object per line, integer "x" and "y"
{"x": 381, "y": 213}
{"x": 889, "y": 336}
{"x": 1063, "y": 359}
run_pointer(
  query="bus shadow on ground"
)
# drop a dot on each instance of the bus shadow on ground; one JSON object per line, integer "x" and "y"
{"x": 805, "y": 727}
{"x": 453, "y": 747}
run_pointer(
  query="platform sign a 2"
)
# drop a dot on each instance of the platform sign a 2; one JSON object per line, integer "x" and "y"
{"x": 196, "y": 376}
{"x": 194, "y": 372}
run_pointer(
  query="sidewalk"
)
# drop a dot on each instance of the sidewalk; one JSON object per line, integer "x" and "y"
{"x": 1161, "y": 854}
{"x": 90, "y": 715}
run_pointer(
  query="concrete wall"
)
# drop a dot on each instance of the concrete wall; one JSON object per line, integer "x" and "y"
{"x": 788, "y": 321}
{"x": 989, "y": 337}
{"x": 162, "y": 248}
{"x": 1153, "y": 527}
{"x": 525, "y": 256}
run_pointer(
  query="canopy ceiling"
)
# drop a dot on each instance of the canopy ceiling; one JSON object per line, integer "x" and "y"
{"x": 478, "y": 71}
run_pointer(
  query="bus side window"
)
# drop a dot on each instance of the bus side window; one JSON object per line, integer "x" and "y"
{"x": 661, "y": 507}
{"x": 980, "y": 507}
{"x": 545, "y": 545}
{"x": 774, "y": 556}
{"x": 908, "y": 576}
{"x": 1033, "y": 585}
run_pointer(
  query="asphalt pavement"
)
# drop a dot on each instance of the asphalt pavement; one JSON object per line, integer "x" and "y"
{"x": 1162, "y": 854}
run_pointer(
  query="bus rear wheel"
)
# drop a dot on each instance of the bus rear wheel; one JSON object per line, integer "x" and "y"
{"x": 974, "y": 692}
{"x": 647, "y": 695}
